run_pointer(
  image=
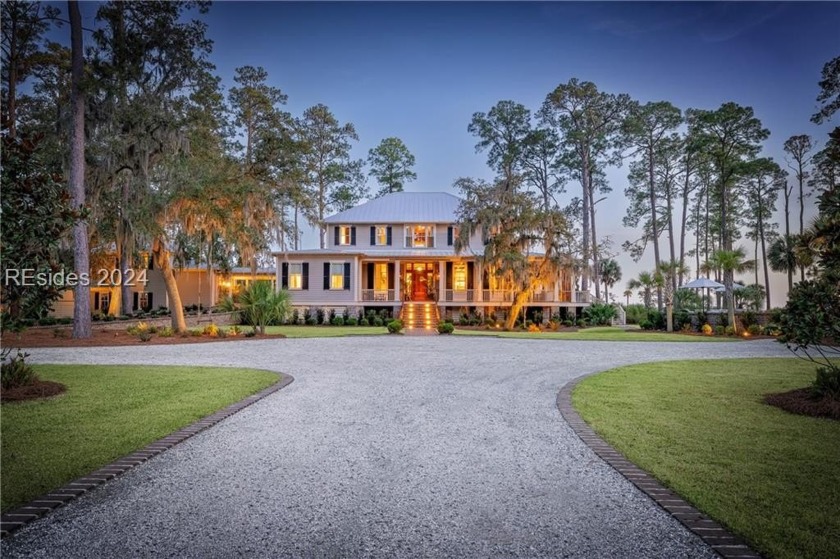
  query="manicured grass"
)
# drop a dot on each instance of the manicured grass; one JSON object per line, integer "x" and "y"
{"x": 107, "y": 412}
{"x": 602, "y": 334}
{"x": 325, "y": 331}
{"x": 701, "y": 428}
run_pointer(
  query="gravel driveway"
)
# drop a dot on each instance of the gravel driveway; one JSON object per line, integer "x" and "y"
{"x": 382, "y": 447}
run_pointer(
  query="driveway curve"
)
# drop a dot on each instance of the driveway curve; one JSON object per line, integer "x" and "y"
{"x": 382, "y": 447}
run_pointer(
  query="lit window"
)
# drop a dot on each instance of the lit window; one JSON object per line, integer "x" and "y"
{"x": 380, "y": 275}
{"x": 337, "y": 276}
{"x": 419, "y": 236}
{"x": 381, "y": 235}
{"x": 345, "y": 235}
{"x": 144, "y": 300}
{"x": 459, "y": 276}
{"x": 295, "y": 276}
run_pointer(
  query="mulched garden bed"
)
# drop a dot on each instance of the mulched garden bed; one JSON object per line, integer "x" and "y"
{"x": 38, "y": 389}
{"x": 802, "y": 402}
{"x": 37, "y": 337}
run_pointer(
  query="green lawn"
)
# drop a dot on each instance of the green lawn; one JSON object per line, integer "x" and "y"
{"x": 325, "y": 331}
{"x": 601, "y": 334}
{"x": 700, "y": 427}
{"x": 107, "y": 412}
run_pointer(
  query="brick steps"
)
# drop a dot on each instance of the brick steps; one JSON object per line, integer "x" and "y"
{"x": 422, "y": 316}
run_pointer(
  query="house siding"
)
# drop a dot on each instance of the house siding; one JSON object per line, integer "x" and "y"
{"x": 316, "y": 294}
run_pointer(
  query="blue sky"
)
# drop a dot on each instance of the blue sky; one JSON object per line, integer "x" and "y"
{"x": 419, "y": 71}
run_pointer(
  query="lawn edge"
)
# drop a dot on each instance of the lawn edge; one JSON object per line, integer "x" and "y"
{"x": 720, "y": 539}
{"x": 39, "y": 507}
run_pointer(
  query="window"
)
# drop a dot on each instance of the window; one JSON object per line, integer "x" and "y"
{"x": 295, "y": 276}
{"x": 337, "y": 275}
{"x": 345, "y": 235}
{"x": 380, "y": 275}
{"x": 419, "y": 236}
{"x": 460, "y": 276}
{"x": 381, "y": 235}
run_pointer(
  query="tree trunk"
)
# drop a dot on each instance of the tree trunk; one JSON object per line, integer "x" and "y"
{"x": 671, "y": 239}
{"x": 162, "y": 261}
{"x": 596, "y": 272}
{"x": 81, "y": 252}
{"x": 653, "y": 222}
{"x": 125, "y": 288}
{"x": 587, "y": 201}
{"x": 669, "y": 316}
{"x": 516, "y": 306}
{"x": 11, "y": 101}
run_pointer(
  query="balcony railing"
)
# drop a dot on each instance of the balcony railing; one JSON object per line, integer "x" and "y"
{"x": 378, "y": 294}
{"x": 467, "y": 295}
{"x": 543, "y": 297}
{"x": 583, "y": 297}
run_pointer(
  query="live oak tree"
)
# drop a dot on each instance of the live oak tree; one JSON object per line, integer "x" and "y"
{"x": 390, "y": 164}
{"x": 524, "y": 242}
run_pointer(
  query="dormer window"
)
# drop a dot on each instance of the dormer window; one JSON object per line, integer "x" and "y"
{"x": 419, "y": 236}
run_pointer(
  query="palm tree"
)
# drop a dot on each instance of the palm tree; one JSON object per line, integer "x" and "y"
{"x": 665, "y": 276}
{"x": 731, "y": 262}
{"x": 610, "y": 275}
{"x": 627, "y": 294}
{"x": 646, "y": 282}
{"x": 782, "y": 257}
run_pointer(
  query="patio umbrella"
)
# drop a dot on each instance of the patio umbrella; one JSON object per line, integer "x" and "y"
{"x": 703, "y": 283}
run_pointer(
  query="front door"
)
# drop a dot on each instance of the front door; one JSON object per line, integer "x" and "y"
{"x": 419, "y": 281}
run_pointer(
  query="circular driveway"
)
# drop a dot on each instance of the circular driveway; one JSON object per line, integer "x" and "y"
{"x": 385, "y": 446}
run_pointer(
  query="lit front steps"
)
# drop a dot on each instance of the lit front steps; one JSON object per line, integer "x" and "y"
{"x": 420, "y": 316}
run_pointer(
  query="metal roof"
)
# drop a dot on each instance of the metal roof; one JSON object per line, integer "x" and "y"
{"x": 402, "y": 207}
{"x": 419, "y": 253}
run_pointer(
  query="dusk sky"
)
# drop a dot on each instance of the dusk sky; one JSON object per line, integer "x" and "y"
{"x": 419, "y": 71}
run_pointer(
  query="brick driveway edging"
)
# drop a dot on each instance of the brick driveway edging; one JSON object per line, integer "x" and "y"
{"x": 19, "y": 517}
{"x": 721, "y": 540}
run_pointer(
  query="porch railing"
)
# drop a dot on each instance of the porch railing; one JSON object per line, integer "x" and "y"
{"x": 378, "y": 295}
{"x": 467, "y": 295}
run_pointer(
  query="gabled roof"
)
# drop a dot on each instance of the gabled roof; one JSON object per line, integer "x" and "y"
{"x": 402, "y": 207}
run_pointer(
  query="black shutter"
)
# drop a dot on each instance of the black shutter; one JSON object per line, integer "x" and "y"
{"x": 284, "y": 275}
{"x": 136, "y": 301}
{"x": 449, "y": 232}
{"x": 305, "y": 281}
{"x": 389, "y": 235}
{"x": 470, "y": 273}
{"x": 150, "y": 301}
{"x": 370, "y": 273}
{"x": 372, "y": 235}
{"x": 326, "y": 276}
{"x": 449, "y": 275}
{"x": 151, "y": 262}
{"x": 96, "y": 300}
{"x": 335, "y": 235}
{"x": 353, "y": 235}
{"x": 391, "y": 274}
{"x": 347, "y": 276}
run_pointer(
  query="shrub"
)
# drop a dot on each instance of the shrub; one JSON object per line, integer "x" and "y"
{"x": 338, "y": 321}
{"x": 166, "y": 332}
{"x": 599, "y": 313}
{"x": 59, "y": 333}
{"x": 47, "y": 321}
{"x": 307, "y": 314}
{"x": 445, "y": 328}
{"x": 311, "y": 321}
{"x": 377, "y": 321}
{"x": 827, "y": 383}
{"x": 137, "y": 329}
{"x": 720, "y": 330}
{"x": 345, "y": 314}
{"x": 534, "y": 328}
{"x": 234, "y": 331}
{"x": 635, "y": 314}
{"x": 707, "y": 329}
{"x": 755, "y": 329}
{"x": 14, "y": 371}
{"x": 320, "y": 315}
{"x": 250, "y": 334}
{"x": 657, "y": 319}
{"x": 395, "y": 326}
{"x": 145, "y": 336}
{"x": 211, "y": 330}
{"x": 196, "y": 333}
{"x": 646, "y": 324}
{"x": 351, "y": 321}
{"x": 364, "y": 322}
{"x": 748, "y": 318}
{"x": 295, "y": 316}
{"x": 729, "y": 331}
{"x": 332, "y": 316}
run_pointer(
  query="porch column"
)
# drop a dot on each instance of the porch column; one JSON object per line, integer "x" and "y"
{"x": 397, "y": 281}
{"x": 441, "y": 282}
{"x": 358, "y": 289}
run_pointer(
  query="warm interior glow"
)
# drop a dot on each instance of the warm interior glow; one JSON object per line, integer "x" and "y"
{"x": 459, "y": 276}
